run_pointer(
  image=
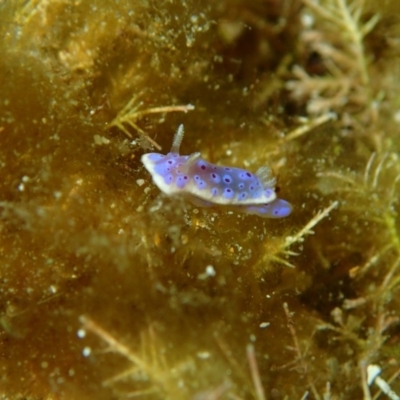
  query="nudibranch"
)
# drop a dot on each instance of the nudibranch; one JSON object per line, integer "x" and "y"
{"x": 207, "y": 184}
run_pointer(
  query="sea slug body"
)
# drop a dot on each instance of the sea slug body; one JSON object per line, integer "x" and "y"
{"x": 207, "y": 184}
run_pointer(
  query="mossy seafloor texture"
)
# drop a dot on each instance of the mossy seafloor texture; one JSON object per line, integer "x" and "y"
{"x": 109, "y": 289}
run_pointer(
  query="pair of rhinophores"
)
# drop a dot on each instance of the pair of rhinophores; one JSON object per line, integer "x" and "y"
{"x": 206, "y": 184}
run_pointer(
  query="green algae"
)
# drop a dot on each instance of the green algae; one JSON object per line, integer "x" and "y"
{"x": 109, "y": 289}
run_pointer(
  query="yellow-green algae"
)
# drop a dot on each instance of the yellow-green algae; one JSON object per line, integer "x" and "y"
{"x": 110, "y": 290}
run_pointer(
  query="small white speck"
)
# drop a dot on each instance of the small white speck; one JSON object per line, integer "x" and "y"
{"x": 203, "y": 355}
{"x": 86, "y": 351}
{"x": 44, "y": 364}
{"x": 57, "y": 195}
{"x": 264, "y": 325}
{"x": 81, "y": 333}
{"x": 253, "y": 338}
{"x": 25, "y": 178}
{"x": 71, "y": 372}
{"x": 397, "y": 116}
{"x": 140, "y": 182}
{"x": 307, "y": 20}
{"x": 210, "y": 271}
{"x": 228, "y": 152}
{"x": 53, "y": 289}
{"x": 99, "y": 140}
{"x": 79, "y": 181}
